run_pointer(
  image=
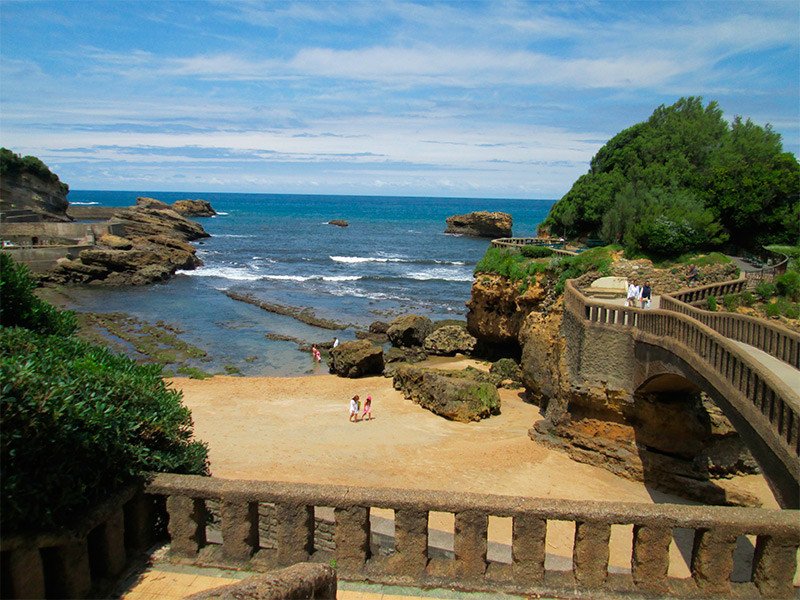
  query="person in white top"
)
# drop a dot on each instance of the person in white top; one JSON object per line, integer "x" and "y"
{"x": 634, "y": 293}
{"x": 354, "y": 409}
{"x": 335, "y": 342}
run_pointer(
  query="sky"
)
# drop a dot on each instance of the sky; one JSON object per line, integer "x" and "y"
{"x": 384, "y": 97}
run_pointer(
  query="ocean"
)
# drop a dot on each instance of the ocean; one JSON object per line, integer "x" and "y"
{"x": 392, "y": 259}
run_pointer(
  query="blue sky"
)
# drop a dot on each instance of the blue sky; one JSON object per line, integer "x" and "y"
{"x": 477, "y": 99}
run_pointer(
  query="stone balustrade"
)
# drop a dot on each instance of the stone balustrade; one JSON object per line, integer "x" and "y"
{"x": 767, "y": 402}
{"x": 716, "y": 530}
{"x": 773, "y": 338}
{"x": 700, "y": 294}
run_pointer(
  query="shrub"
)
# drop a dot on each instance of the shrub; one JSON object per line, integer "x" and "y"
{"x": 747, "y": 298}
{"x": 788, "y": 285}
{"x": 711, "y": 302}
{"x": 78, "y": 421}
{"x": 595, "y": 260}
{"x": 773, "y": 309}
{"x": 766, "y": 290}
{"x": 730, "y": 301}
{"x": 20, "y": 306}
{"x": 792, "y": 311}
{"x": 536, "y": 251}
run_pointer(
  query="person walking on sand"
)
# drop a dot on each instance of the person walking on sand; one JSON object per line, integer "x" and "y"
{"x": 647, "y": 292}
{"x": 367, "y": 414}
{"x": 354, "y": 409}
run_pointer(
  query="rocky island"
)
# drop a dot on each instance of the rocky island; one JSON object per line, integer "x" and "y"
{"x": 480, "y": 224}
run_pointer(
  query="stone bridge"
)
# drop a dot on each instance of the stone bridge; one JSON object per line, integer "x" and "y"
{"x": 748, "y": 366}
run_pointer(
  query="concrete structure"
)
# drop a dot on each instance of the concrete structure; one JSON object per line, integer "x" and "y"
{"x": 664, "y": 349}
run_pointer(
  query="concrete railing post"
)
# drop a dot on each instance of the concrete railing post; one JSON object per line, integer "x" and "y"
{"x": 411, "y": 540}
{"x": 528, "y": 549}
{"x": 140, "y": 521}
{"x": 69, "y": 574}
{"x": 352, "y": 537}
{"x": 26, "y": 573}
{"x": 187, "y": 525}
{"x": 650, "y": 558}
{"x": 294, "y": 532}
{"x": 712, "y": 560}
{"x": 774, "y": 564}
{"x": 590, "y": 553}
{"x": 239, "y": 524}
{"x": 110, "y": 549}
{"x": 470, "y": 543}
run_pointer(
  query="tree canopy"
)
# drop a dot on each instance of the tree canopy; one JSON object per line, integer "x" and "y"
{"x": 13, "y": 165}
{"x": 685, "y": 179}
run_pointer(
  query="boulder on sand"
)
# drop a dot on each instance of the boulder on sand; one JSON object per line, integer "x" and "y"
{"x": 455, "y": 395}
{"x": 480, "y": 224}
{"x": 449, "y": 340}
{"x": 356, "y": 359}
{"x": 409, "y": 330}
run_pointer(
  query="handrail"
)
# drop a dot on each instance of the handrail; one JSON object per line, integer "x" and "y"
{"x": 772, "y": 398}
{"x": 516, "y": 242}
{"x": 772, "y": 338}
{"x": 294, "y": 536}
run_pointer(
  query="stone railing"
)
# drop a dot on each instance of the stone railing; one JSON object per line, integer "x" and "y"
{"x": 716, "y": 531}
{"x": 516, "y": 242}
{"x": 700, "y": 294}
{"x": 84, "y": 561}
{"x": 776, "y": 417}
{"x": 772, "y": 338}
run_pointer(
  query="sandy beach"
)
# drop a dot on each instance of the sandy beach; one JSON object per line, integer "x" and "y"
{"x": 296, "y": 429}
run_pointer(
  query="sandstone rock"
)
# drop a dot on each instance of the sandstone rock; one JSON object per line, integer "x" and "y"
{"x": 115, "y": 242}
{"x": 379, "y": 327}
{"x": 509, "y": 372}
{"x": 118, "y": 260}
{"x": 457, "y": 396}
{"x": 145, "y": 202}
{"x": 356, "y": 359}
{"x": 480, "y": 224}
{"x": 449, "y": 340}
{"x": 338, "y": 222}
{"x": 40, "y": 199}
{"x": 194, "y": 208}
{"x": 142, "y": 222}
{"x": 409, "y": 330}
{"x": 407, "y": 355}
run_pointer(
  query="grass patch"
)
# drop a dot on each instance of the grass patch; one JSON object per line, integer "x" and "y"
{"x": 193, "y": 373}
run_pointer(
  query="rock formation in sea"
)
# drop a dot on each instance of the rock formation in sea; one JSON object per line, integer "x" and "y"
{"x": 679, "y": 443}
{"x": 480, "y": 224}
{"x": 152, "y": 245}
{"x": 194, "y": 208}
{"x": 339, "y": 222}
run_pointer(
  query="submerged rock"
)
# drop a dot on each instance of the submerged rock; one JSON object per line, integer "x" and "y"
{"x": 454, "y": 395}
{"x": 338, "y": 222}
{"x": 356, "y": 359}
{"x": 409, "y": 330}
{"x": 481, "y": 224}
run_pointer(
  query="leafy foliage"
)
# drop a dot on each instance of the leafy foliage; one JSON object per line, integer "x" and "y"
{"x": 536, "y": 251}
{"x": 13, "y": 165}
{"x": 78, "y": 421}
{"x": 788, "y": 285}
{"x": 685, "y": 179}
{"x": 19, "y": 307}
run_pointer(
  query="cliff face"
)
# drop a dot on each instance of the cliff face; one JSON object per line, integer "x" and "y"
{"x": 46, "y": 200}
{"x": 677, "y": 441}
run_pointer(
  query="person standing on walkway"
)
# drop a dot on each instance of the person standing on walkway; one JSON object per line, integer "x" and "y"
{"x": 647, "y": 292}
{"x": 692, "y": 274}
{"x": 634, "y": 291}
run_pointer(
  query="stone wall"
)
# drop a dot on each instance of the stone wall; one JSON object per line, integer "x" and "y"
{"x": 411, "y": 562}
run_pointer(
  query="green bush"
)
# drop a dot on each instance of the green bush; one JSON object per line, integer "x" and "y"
{"x": 508, "y": 264}
{"x": 773, "y": 309}
{"x": 731, "y": 302}
{"x": 788, "y": 285}
{"x": 766, "y": 290}
{"x": 77, "y": 421}
{"x": 792, "y": 311}
{"x": 19, "y": 306}
{"x": 711, "y": 303}
{"x": 747, "y": 298}
{"x": 596, "y": 260}
{"x": 536, "y": 251}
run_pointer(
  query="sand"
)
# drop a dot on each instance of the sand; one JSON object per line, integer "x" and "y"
{"x": 296, "y": 429}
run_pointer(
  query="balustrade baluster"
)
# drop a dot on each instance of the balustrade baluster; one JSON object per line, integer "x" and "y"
{"x": 239, "y": 524}
{"x": 187, "y": 525}
{"x": 528, "y": 549}
{"x": 25, "y": 572}
{"x": 712, "y": 560}
{"x": 411, "y": 540}
{"x": 109, "y": 545}
{"x": 294, "y": 532}
{"x": 774, "y": 564}
{"x": 650, "y": 558}
{"x": 139, "y": 519}
{"x": 470, "y": 543}
{"x": 69, "y": 574}
{"x": 352, "y": 537}
{"x": 590, "y": 553}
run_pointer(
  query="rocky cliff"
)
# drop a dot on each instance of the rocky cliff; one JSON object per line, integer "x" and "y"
{"x": 678, "y": 441}
{"x": 28, "y": 197}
